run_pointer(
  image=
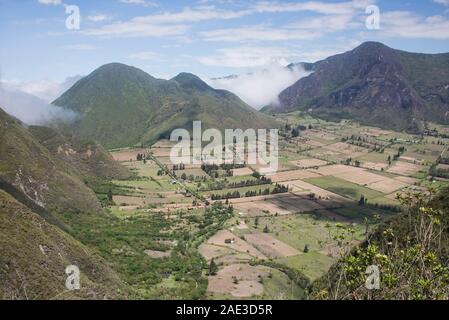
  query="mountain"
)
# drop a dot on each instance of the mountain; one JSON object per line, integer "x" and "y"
{"x": 307, "y": 66}
{"x": 123, "y": 106}
{"x": 35, "y": 254}
{"x": 42, "y": 174}
{"x": 52, "y": 179}
{"x": 376, "y": 85}
{"x": 87, "y": 157}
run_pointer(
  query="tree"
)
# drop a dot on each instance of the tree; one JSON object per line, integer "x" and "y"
{"x": 413, "y": 268}
{"x": 266, "y": 230}
{"x": 110, "y": 195}
{"x": 306, "y": 248}
{"x": 256, "y": 222}
{"x": 213, "y": 268}
{"x": 295, "y": 132}
{"x": 362, "y": 201}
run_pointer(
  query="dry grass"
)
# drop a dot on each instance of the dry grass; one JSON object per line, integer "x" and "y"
{"x": 242, "y": 172}
{"x": 360, "y": 177}
{"x": 127, "y": 155}
{"x": 158, "y": 254}
{"x": 237, "y": 244}
{"x": 335, "y": 169}
{"x": 405, "y": 169}
{"x": 285, "y": 204}
{"x": 347, "y": 149}
{"x": 292, "y": 175}
{"x": 238, "y": 280}
{"x": 388, "y": 185}
{"x": 309, "y": 163}
{"x": 378, "y": 166}
{"x": 271, "y": 247}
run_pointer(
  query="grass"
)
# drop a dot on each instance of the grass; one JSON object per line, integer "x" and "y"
{"x": 358, "y": 213}
{"x": 300, "y": 230}
{"x": 279, "y": 286}
{"x": 376, "y": 156}
{"x": 344, "y": 188}
{"x": 150, "y": 185}
{"x": 122, "y": 242}
{"x": 312, "y": 264}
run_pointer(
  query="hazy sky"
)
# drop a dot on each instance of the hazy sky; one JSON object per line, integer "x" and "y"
{"x": 210, "y": 37}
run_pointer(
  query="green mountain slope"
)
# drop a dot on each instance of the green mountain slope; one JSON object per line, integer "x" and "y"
{"x": 88, "y": 158}
{"x": 121, "y": 106}
{"x": 376, "y": 85}
{"x": 31, "y": 168}
{"x": 35, "y": 254}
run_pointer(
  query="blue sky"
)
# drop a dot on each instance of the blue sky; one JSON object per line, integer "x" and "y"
{"x": 207, "y": 37}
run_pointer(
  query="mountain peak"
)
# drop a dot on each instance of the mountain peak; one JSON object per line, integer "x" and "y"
{"x": 370, "y": 47}
{"x": 191, "y": 81}
{"x": 121, "y": 106}
{"x": 119, "y": 69}
{"x": 377, "y": 85}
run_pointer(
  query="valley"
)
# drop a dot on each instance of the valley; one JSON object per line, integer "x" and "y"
{"x": 342, "y": 180}
{"x": 358, "y": 145}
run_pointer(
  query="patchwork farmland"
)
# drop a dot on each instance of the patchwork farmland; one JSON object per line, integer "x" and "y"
{"x": 333, "y": 179}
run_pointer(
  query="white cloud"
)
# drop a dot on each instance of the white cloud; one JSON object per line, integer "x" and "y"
{"x": 261, "y": 87}
{"x": 140, "y": 2}
{"x": 145, "y": 55}
{"x": 201, "y": 13}
{"x": 99, "y": 18}
{"x": 50, "y": 2}
{"x": 326, "y": 23}
{"x": 443, "y": 2}
{"x": 248, "y": 57}
{"x": 137, "y": 27}
{"x": 258, "y": 33}
{"x": 80, "y": 47}
{"x": 338, "y": 16}
{"x": 332, "y": 17}
{"x": 164, "y": 24}
{"x": 31, "y": 109}
{"x": 45, "y": 90}
{"x": 338, "y": 8}
{"x": 406, "y": 24}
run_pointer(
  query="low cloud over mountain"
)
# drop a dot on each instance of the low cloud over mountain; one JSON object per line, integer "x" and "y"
{"x": 262, "y": 87}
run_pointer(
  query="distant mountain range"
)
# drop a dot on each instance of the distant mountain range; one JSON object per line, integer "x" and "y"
{"x": 375, "y": 85}
{"x": 122, "y": 106}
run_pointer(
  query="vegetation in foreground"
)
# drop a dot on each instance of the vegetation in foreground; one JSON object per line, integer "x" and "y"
{"x": 411, "y": 251}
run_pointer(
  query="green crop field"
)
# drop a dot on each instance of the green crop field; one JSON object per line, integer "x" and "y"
{"x": 346, "y": 189}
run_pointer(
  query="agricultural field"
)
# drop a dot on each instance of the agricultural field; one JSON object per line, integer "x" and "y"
{"x": 335, "y": 181}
